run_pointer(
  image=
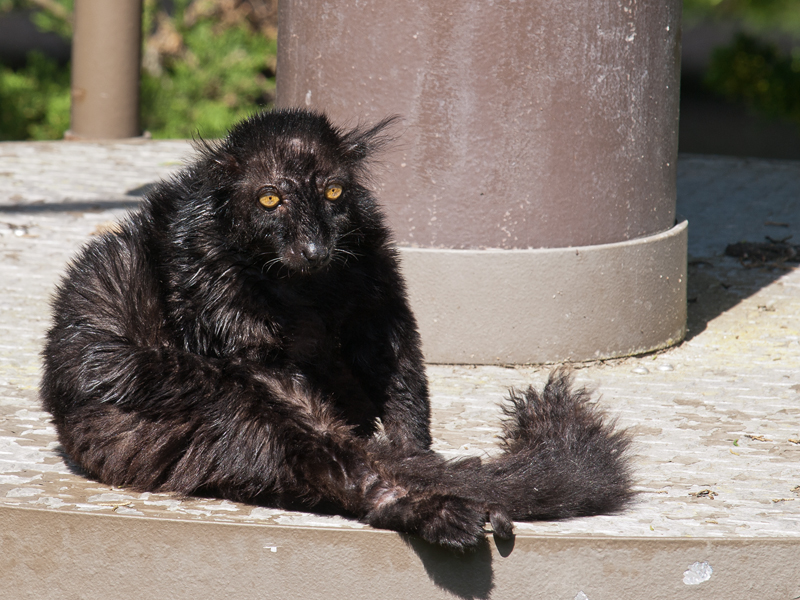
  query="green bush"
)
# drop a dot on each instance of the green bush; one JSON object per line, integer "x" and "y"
{"x": 220, "y": 70}
{"x": 761, "y": 15}
{"x": 220, "y": 75}
{"x": 34, "y": 100}
{"x": 758, "y": 74}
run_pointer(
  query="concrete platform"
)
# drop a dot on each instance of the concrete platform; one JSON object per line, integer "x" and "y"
{"x": 716, "y": 419}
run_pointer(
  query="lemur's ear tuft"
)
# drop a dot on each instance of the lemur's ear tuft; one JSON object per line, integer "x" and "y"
{"x": 216, "y": 153}
{"x": 364, "y": 142}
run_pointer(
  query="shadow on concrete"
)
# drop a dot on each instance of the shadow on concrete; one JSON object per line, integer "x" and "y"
{"x": 142, "y": 190}
{"x": 40, "y": 207}
{"x": 466, "y": 575}
{"x": 713, "y": 289}
{"x": 728, "y": 200}
{"x": 69, "y": 206}
{"x": 71, "y": 465}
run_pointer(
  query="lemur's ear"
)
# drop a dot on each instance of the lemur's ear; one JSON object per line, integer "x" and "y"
{"x": 364, "y": 142}
{"x": 217, "y": 154}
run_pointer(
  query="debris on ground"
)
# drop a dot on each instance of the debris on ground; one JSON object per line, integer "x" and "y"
{"x": 772, "y": 253}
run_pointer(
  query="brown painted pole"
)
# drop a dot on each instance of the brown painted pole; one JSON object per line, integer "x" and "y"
{"x": 106, "y": 51}
{"x": 533, "y": 188}
{"x": 528, "y": 124}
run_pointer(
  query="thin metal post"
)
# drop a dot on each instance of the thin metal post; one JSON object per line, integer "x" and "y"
{"x": 106, "y": 52}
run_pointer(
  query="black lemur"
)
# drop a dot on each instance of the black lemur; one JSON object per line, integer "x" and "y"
{"x": 246, "y": 335}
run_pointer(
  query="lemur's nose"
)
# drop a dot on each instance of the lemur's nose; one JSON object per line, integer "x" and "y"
{"x": 315, "y": 255}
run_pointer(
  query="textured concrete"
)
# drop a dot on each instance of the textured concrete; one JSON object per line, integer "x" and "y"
{"x": 716, "y": 419}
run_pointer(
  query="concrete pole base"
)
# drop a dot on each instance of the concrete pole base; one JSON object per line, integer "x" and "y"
{"x": 550, "y": 304}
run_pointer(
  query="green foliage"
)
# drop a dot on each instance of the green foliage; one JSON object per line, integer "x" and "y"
{"x": 749, "y": 70}
{"x": 7, "y": 5}
{"x": 758, "y": 74}
{"x": 48, "y": 15}
{"x": 755, "y": 14}
{"x": 34, "y": 100}
{"x": 216, "y": 70}
{"x": 221, "y": 75}
{"x": 56, "y": 16}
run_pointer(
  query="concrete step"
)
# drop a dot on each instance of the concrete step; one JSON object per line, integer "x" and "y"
{"x": 716, "y": 421}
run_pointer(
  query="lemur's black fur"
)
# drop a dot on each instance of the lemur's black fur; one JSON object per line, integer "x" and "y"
{"x": 246, "y": 335}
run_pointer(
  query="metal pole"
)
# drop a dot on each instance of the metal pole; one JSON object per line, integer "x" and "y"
{"x": 527, "y": 124}
{"x": 106, "y": 52}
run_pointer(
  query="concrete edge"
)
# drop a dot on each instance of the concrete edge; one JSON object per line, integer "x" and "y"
{"x": 548, "y": 305}
{"x": 51, "y": 554}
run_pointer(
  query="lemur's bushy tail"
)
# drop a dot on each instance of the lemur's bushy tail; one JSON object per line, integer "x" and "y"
{"x": 560, "y": 459}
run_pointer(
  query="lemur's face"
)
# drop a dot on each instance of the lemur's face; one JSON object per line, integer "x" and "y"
{"x": 295, "y": 195}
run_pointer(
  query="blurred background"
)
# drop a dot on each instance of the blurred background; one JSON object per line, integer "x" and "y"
{"x": 205, "y": 65}
{"x": 208, "y": 63}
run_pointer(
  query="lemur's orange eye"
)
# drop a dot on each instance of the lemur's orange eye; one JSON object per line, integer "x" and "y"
{"x": 333, "y": 191}
{"x": 270, "y": 199}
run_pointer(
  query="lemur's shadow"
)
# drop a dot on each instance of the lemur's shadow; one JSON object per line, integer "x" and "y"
{"x": 468, "y": 575}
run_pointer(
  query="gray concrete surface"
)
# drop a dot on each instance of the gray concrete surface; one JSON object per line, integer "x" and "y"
{"x": 716, "y": 420}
